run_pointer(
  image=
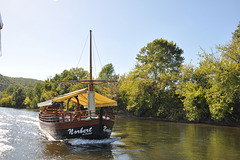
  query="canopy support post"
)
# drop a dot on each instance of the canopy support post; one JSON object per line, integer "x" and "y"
{"x": 91, "y": 102}
{"x": 101, "y": 118}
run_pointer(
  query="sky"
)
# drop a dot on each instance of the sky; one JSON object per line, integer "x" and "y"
{"x": 41, "y": 38}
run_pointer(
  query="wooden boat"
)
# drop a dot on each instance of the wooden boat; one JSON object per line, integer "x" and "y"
{"x": 87, "y": 124}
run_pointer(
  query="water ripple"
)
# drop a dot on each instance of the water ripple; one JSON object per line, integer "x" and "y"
{"x": 4, "y": 140}
{"x": 79, "y": 141}
{"x": 4, "y": 148}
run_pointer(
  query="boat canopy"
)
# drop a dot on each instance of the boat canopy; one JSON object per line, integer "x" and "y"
{"x": 100, "y": 100}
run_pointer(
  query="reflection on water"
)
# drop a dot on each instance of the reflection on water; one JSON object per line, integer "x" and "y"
{"x": 148, "y": 139}
{"x": 21, "y": 138}
{"x": 65, "y": 151}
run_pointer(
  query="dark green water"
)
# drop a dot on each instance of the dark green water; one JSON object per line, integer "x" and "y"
{"x": 21, "y": 138}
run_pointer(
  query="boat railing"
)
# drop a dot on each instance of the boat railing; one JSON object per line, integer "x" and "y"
{"x": 49, "y": 117}
{"x": 70, "y": 116}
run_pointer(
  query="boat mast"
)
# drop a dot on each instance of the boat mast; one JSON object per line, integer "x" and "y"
{"x": 90, "y": 85}
{"x": 91, "y": 81}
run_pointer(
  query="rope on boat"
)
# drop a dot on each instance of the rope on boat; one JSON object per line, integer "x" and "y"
{"x": 83, "y": 50}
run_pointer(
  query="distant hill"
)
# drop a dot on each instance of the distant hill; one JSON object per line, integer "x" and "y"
{"x": 7, "y": 81}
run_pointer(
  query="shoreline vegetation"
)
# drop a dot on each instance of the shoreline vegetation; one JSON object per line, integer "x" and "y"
{"x": 130, "y": 116}
{"x": 160, "y": 85}
{"x": 215, "y": 123}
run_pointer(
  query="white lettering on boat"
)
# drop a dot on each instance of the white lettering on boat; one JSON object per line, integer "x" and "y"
{"x": 105, "y": 129}
{"x": 82, "y": 131}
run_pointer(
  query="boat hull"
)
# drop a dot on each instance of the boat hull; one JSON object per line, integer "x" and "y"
{"x": 86, "y": 129}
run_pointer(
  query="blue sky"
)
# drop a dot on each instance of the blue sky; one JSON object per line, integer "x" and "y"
{"x": 43, "y": 37}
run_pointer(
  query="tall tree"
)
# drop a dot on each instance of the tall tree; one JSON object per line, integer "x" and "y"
{"x": 150, "y": 86}
{"x": 160, "y": 56}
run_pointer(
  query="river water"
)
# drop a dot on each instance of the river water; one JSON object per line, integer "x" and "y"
{"x": 21, "y": 138}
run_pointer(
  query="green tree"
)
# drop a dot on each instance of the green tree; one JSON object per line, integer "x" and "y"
{"x": 107, "y": 72}
{"x": 5, "y": 100}
{"x": 78, "y": 73}
{"x": 37, "y": 93}
{"x": 72, "y": 74}
{"x": 18, "y": 97}
{"x": 27, "y": 102}
{"x": 108, "y": 89}
{"x": 10, "y": 90}
{"x": 160, "y": 56}
{"x": 29, "y": 91}
{"x": 212, "y": 89}
{"x": 150, "y": 87}
{"x": 34, "y": 103}
{"x": 191, "y": 89}
{"x": 236, "y": 33}
{"x": 223, "y": 97}
{"x": 47, "y": 95}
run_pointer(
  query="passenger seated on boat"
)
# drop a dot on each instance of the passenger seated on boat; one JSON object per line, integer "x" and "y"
{"x": 76, "y": 114}
{"x": 67, "y": 117}
{"x": 61, "y": 115}
{"x": 60, "y": 111}
{"x": 106, "y": 116}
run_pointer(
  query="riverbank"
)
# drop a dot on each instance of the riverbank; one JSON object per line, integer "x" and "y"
{"x": 235, "y": 124}
{"x": 232, "y": 124}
